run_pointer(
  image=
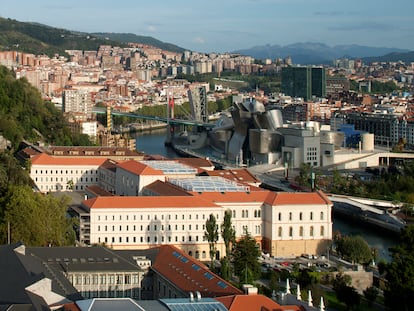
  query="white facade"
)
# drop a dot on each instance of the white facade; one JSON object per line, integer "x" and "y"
{"x": 90, "y": 128}
{"x": 59, "y": 174}
{"x": 288, "y": 229}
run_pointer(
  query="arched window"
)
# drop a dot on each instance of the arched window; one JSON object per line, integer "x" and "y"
{"x": 279, "y": 233}
{"x": 300, "y": 231}
{"x": 259, "y": 213}
{"x": 300, "y": 216}
{"x": 321, "y": 215}
{"x": 311, "y": 231}
{"x": 280, "y": 216}
{"x": 311, "y": 215}
{"x": 322, "y": 230}
{"x": 291, "y": 231}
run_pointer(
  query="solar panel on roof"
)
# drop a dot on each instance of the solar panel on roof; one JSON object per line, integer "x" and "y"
{"x": 208, "y": 275}
{"x": 195, "y": 267}
{"x": 170, "y": 167}
{"x": 183, "y": 304}
{"x": 209, "y": 184}
{"x": 222, "y": 284}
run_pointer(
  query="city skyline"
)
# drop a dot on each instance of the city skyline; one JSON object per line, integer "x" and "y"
{"x": 231, "y": 25}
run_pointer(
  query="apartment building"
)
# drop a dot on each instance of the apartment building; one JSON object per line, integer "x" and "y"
{"x": 283, "y": 224}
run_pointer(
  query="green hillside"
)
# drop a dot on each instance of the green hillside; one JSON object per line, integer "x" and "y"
{"x": 24, "y": 115}
{"x": 130, "y": 37}
{"x": 41, "y": 39}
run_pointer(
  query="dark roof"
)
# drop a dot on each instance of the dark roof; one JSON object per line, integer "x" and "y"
{"x": 21, "y": 270}
{"x": 96, "y": 258}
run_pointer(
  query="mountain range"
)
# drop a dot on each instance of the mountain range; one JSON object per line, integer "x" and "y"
{"x": 320, "y": 53}
{"x": 42, "y": 39}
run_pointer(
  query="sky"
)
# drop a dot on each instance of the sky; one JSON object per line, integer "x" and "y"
{"x": 229, "y": 25}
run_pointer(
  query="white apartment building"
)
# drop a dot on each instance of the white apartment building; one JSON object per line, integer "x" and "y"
{"x": 59, "y": 174}
{"x": 90, "y": 128}
{"x": 283, "y": 224}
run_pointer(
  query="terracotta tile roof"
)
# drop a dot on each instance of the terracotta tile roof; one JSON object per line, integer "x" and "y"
{"x": 139, "y": 168}
{"x": 98, "y": 191}
{"x": 162, "y": 188}
{"x": 110, "y": 165}
{"x": 190, "y": 275}
{"x": 44, "y": 159}
{"x": 148, "y": 202}
{"x": 253, "y": 303}
{"x": 239, "y": 175}
{"x": 196, "y": 162}
{"x": 295, "y": 198}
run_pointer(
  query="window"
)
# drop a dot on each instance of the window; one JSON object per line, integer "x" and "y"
{"x": 291, "y": 231}
{"x": 311, "y": 215}
{"x": 322, "y": 230}
{"x": 311, "y": 231}
{"x": 290, "y": 215}
{"x": 300, "y": 231}
{"x": 321, "y": 215}
{"x": 300, "y": 216}
{"x": 280, "y": 216}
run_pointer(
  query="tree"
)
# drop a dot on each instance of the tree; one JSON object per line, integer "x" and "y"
{"x": 35, "y": 219}
{"x": 228, "y": 234}
{"x": 245, "y": 254}
{"x": 354, "y": 249}
{"x": 399, "y": 272}
{"x": 344, "y": 292}
{"x": 211, "y": 234}
{"x": 371, "y": 293}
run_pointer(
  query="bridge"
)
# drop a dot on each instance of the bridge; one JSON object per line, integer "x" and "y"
{"x": 171, "y": 121}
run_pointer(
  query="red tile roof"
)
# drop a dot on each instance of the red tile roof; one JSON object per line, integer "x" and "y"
{"x": 148, "y": 202}
{"x": 253, "y": 303}
{"x": 162, "y": 188}
{"x": 44, "y": 159}
{"x": 190, "y": 275}
{"x": 139, "y": 168}
{"x": 295, "y": 198}
{"x": 238, "y": 175}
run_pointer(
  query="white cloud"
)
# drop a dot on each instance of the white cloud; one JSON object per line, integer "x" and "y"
{"x": 199, "y": 40}
{"x": 151, "y": 28}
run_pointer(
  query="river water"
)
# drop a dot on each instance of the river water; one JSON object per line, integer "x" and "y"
{"x": 153, "y": 143}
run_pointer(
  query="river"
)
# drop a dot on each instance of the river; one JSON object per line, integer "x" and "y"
{"x": 153, "y": 143}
